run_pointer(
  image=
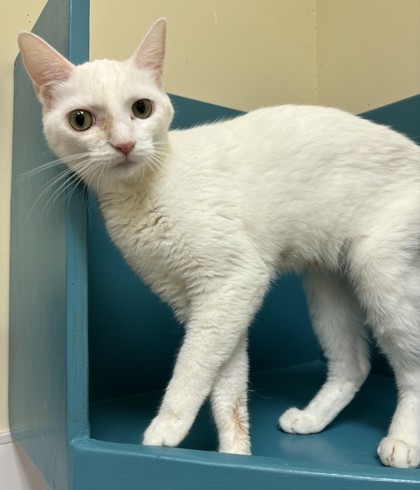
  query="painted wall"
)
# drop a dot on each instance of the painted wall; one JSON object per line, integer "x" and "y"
{"x": 368, "y": 52}
{"x": 15, "y": 17}
{"x": 354, "y": 54}
{"x": 235, "y": 53}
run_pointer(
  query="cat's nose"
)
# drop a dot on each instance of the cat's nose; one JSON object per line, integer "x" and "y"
{"x": 125, "y": 148}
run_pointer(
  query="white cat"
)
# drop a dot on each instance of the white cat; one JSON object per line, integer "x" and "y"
{"x": 208, "y": 217}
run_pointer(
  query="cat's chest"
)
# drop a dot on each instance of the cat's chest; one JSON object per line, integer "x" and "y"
{"x": 147, "y": 235}
{"x": 135, "y": 223}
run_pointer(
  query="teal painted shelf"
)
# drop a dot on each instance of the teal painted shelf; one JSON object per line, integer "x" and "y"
{"x": 91, "y": 349}
{"x": 350, "y": 441}
{"x": 345, "y": 452}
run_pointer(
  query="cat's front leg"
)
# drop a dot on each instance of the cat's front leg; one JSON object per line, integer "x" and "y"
{"x": 218, "y": 322}
{"x": 229, "y": 399}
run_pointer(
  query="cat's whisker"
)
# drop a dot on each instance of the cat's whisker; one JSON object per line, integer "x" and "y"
{"x": 49, "y": 165}
{"x": 89, "y": 171}
{"x": 30, "y": 173}
{"x": 76, "y": 183}
{"x": 71, "y": 178}
{"x": 63, "y": 180}
{"x": 87, "y": 168}
{"x": 60, "y": 191}
{"x": 101, "y": 172}
{"x": 56, "y": 181}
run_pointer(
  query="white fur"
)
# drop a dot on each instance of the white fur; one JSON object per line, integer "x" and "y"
{"x": 208, "y": 217}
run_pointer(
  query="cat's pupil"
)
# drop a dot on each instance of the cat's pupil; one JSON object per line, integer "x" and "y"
{"x": 142, "y": 108}
{"x": 80, "y": 119}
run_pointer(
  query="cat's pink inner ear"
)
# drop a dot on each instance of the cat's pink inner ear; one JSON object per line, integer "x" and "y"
{"x": 46, "y": 67}
{"x": 150, "y": 55}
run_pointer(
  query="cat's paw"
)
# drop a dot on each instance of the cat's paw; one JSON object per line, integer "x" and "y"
{"x": 242, "y": 447}
{"x": 295, "y": 421}
{"x": 394, "y": 452}
{"x": 166, "y": 430}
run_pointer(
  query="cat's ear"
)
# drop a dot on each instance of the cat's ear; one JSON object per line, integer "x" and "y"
{"x": 151, "y": 53}
{"x": 45, "y": 66}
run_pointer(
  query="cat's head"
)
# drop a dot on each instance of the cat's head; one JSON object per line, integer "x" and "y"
{"x": 107, "y": 120}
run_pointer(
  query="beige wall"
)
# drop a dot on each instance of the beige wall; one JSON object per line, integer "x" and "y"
{"x": 236, "y": 53}
{"x": 368, "y": 52}
{"x": 15, "y": 17}
{"x": 356, "y": 54}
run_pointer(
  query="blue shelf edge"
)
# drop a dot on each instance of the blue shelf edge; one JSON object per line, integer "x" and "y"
{"x": 105, "y": 465}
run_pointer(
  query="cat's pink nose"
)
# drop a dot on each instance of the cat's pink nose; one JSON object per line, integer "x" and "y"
{"x": 124, "y": 148}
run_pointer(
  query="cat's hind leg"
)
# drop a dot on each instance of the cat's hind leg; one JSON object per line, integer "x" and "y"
{"x": 336, "y": 319}
{"x": 229, "y": 398}
{"x": 388, "y": 281}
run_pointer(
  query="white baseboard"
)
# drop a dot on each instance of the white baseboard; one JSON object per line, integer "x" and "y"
{"x": 5, "y": 438}
{"x": 16, "y": 470}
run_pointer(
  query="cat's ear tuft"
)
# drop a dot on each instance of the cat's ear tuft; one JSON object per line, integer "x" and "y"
{"x": 151, "y": 53}
{"x": 45, "y": 66}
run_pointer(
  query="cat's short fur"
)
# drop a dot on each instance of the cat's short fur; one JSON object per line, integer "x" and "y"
{"x": 208, "y": 217}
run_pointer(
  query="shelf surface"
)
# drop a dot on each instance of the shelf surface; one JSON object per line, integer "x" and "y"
{"x": 347, "y": 446}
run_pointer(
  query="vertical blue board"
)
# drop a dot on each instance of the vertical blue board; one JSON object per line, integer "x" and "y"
{"x": 47, "y": 273}
{"x": 403, "y": 116}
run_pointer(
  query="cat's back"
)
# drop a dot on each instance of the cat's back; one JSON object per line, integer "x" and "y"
{"x": 302, "y": 174}
{"x": 318, "y": 135}
{"x": 325, "y": 148}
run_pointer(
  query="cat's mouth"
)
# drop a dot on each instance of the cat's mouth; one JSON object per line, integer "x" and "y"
{"x": 126, "y": 167}
{"x": 125, "y": 163}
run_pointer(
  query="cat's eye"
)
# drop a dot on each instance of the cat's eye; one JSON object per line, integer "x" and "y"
{"x": 142, "y": 108}
{"x": 80, "y": 119}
